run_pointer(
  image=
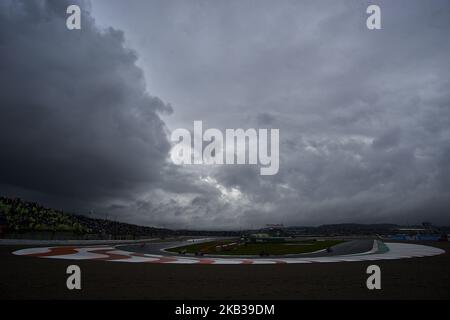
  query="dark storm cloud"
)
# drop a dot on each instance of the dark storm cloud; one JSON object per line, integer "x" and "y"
{"x": 364, "y": 116}
{"x": 76, "y": 120}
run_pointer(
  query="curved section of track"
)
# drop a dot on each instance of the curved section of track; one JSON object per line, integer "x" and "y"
{"x": 348, "y": 247}
{"x": 154, "y": 253}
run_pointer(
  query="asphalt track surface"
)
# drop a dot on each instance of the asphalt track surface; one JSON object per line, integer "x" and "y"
{"x": 351, "y": 251}
{"x": 23, "y": 277}
{"x": 349, "y": 247}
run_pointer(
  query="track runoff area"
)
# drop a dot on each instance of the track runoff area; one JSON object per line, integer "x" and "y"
{"x": 349, "y": 251}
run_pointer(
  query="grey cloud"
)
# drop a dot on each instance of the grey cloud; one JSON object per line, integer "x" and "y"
{"x": 364, "y": 115}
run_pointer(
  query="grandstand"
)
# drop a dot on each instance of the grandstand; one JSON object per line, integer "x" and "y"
{"x": 21, "y": 216}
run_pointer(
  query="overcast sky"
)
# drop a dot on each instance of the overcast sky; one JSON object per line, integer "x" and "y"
{"x": 364, "y": 116}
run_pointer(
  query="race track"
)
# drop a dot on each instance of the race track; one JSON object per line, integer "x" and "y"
{"x": 356, "y": 250}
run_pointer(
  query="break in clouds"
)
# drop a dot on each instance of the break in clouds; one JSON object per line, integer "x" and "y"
{"x": 364, "y": 116}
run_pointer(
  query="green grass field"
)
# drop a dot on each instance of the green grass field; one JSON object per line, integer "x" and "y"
{"x": 292, "y": 247}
